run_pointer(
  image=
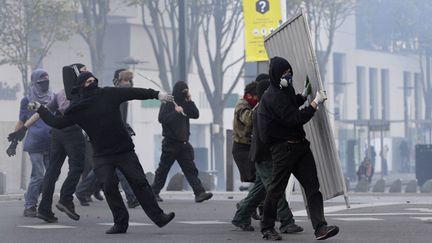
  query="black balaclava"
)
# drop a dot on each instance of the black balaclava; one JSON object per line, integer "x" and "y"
{"x": 278, "y": 66}
{"x": 262, "y": 76}
{"x": 85, "y": 94}
{"x": 178, "y": 91}
{"x": 82, "y": 78}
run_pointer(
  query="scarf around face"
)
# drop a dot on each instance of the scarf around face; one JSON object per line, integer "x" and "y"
{"x": 37, "y": 91}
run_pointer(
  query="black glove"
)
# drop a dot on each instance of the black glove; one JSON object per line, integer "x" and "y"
{"x": 130, "y": 130}
{"x": 17, "y": 135}
{"x": 11, "y": 150}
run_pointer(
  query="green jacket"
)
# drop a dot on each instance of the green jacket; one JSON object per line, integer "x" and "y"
{"x": 242, "y": 125}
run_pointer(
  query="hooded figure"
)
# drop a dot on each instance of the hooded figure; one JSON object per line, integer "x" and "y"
{"x": 39, "y": 87}
{"x": 180, "y": 92}
{"x": 85, "y": 94}
{"x": 175, "y": 145}
{"x": 280, "y": 126}
{"x": 278, "y": 66}
{"x": 97, "y": 112}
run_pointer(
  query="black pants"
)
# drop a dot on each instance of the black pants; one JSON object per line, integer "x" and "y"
{"x": 244, "y": 164}
{"x": 295, "y": 158}
{"x": 130, "y": 166}
{"x": 68, "y": 142}
{"x": 184, "y": 154}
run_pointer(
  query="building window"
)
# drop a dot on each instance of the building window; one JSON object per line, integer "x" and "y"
{"x": 373, "y": 94}
{"x": 339, "y": 77}
{"x": 385, "y": 94}
{"x": 361, "y": 93}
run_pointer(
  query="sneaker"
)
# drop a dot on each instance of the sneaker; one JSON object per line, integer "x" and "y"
{"x": 133, "y": 204}
{"x": 325, "y": 232}
{"x": 271, "y": 234}
{"x": 98, "y": 196}
{"x": 158, "y": 198}
{"x": 244, "y": 227}
{"x": 68, "y": 209}
{"x": 30, "y": 212}
{"x": 117, "y": 229}
{"x": 47, "y": 216}
{"x": 290, "y": 229}
{"x": 203, "y": 196}
{"x": 82, "y": 199}
{"x": 165, "y": 219}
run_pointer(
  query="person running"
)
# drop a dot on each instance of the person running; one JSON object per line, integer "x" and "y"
{"x": 97, "y": 112}
{"x": 175, "y": 145}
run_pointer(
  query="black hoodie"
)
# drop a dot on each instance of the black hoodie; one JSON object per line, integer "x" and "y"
{"x": 279, "y": 117}
{"x": 97, "y": 112}
{"x": 175, "y": 126}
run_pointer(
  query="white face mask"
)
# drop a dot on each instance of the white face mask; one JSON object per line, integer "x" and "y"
{"x": 285, "y": 81}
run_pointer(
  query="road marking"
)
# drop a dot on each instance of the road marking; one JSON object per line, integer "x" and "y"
{"x": 333, "y": 209}
{"x": 376, "y": 214}
{"x": 202, "y": 222}
{"x": 426, "y": 219}
{"x": 130, "y": 224}
{"x": 47, "y": 226}
{"x": 358, "y": 219}
{"x": 425, "y": 210}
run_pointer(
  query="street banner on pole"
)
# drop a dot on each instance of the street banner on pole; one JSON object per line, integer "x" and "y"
{"x": 261, "y": 17}
{"x": 293, "y": 42}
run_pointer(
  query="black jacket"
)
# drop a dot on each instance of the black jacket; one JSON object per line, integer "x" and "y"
{"x": 259, "y": 152}
{"x": 175, "y": 126}
{"x": 279, "y": 117}
{"x": 99, "y": 116}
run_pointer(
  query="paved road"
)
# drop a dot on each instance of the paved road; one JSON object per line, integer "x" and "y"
{"x": 372, "y": 218}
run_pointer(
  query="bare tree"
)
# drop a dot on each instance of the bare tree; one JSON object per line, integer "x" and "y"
{"x": 222, "y": 26}
{"x": 92, "y": 27}
{"x": 160, "y": 20}
{"x": 29, "y": 29}
{"x": 324, "y": 18}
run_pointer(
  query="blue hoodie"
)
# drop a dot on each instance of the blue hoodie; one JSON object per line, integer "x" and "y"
{"x": 38, "y": 135}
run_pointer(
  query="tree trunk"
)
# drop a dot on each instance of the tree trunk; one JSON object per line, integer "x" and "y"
{"x": 24, "y": 78}
{"x": 218, "y": 147}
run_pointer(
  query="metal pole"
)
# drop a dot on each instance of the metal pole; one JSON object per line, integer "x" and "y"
{"x": 182, "y": 41}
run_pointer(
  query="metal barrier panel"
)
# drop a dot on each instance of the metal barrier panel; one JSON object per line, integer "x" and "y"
{"x": 292, "y": 41}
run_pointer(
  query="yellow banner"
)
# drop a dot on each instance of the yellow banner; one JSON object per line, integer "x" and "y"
{"x": 261, "y": 18}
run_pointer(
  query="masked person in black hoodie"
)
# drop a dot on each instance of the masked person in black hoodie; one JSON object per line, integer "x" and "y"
{"x": 97, "y": 112}
{"x": 175, "y": 145}
{"x": 280, "y": 126}
{"x": 260, "y": 155}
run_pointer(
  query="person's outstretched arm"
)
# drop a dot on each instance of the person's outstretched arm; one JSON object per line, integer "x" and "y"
{"x": 58, "y": 122}
{"x": 124, "y": 94}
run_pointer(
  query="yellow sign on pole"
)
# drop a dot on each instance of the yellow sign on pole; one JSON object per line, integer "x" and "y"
{"x": 261, "y": 18}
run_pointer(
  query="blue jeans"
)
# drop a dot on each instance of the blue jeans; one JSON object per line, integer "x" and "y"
{"x": 39, "y": 162}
